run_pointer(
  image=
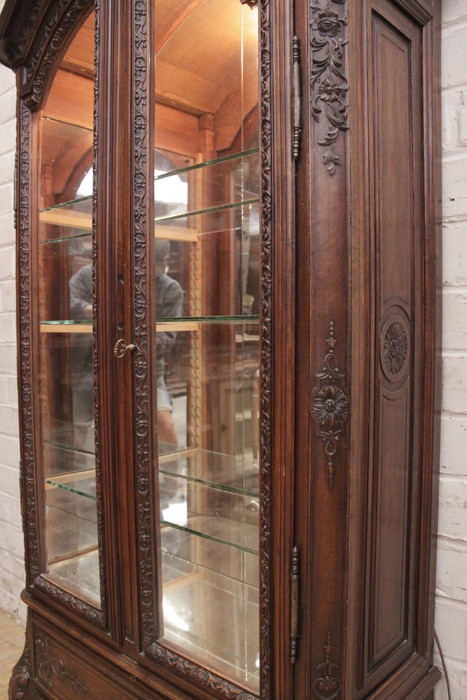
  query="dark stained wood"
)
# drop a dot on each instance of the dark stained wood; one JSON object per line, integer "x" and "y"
{"x": 349, "y": 325}
{"x": 391, "y": 487}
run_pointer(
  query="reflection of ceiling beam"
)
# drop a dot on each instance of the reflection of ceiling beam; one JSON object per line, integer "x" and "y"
{"x": 178, "y": 20}
{"x": 250, "y": 3}
{"x": 190, "y": 91}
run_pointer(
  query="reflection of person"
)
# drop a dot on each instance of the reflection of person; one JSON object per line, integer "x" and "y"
{"x": 81, "y": 351}
{"x": 169, "y": 298}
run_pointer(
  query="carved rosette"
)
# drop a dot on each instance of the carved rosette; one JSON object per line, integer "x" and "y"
{"x": 330, "y": 404}
{"x": 329, "y": 84}
{"x": 51, "y": 667}
{"x": 395, "y": 348}
{"x": 395, "y": 345}
{"x": 328, "y": 685}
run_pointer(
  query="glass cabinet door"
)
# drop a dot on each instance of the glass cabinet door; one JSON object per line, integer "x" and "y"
{"x": 206, "y": 267}
{"x": 65, "y": 308}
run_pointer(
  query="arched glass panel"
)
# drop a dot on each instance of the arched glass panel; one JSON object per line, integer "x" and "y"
{"x": 65, "y": 311}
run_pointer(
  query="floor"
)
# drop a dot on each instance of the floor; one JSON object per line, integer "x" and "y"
{"x": 11, "y": 648}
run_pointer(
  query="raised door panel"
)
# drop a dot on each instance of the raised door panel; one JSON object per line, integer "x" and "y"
{"x": 395, "y": 112}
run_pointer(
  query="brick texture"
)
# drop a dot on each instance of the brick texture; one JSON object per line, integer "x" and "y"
{"x": 451, "y": 599}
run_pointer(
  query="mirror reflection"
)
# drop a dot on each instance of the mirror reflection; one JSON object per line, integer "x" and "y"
{"x": 206, "y": 230}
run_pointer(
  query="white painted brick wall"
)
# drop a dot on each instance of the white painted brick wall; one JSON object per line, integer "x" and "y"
{"x": 451, "y": 601}
{"x": 451, "y": 609}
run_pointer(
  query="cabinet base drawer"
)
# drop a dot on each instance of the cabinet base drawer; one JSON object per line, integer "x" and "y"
{"x": 63, "y": 668}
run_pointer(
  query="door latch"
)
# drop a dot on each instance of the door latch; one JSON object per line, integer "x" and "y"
{"x": 121, "y": 348}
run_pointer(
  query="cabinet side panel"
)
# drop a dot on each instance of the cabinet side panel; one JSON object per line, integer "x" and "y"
{"x": 396, "y": 374}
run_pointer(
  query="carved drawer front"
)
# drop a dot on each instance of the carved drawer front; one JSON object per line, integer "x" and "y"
{"x": 62, "y": 674}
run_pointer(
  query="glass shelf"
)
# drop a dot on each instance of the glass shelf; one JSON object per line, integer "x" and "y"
{"x": 214, "y": 161}
{"x": 210, "y": 554}
{"x": 220, "y": 471}
{"x": 220, "y": 530}
{"x": 80, "y": 483}
{"x": 68, "y": 448}
{"x": 66, "y": 239}
{"x": 66, "y": 326}
{"x": 181, "y": 324}
{"x": 71, "y": 524}
{"x": 208, "y": 210}
{"x": 66, "y": 205}
{"x": 74, "y": 215}
{"x": 65, "y": 462}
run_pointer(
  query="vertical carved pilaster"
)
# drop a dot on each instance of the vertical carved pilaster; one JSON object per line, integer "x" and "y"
{"x": 266, "y": 345}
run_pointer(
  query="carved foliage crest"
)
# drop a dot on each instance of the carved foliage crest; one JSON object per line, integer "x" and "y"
{"x": 329, "y": 84}
{"x": 57, "y": 28}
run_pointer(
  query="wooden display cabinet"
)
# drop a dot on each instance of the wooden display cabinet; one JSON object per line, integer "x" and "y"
{"x": 228, "y": 327}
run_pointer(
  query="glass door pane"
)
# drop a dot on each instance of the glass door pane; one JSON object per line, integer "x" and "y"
{"x": 65, "y": 316}
{"x": 206, "y": 189}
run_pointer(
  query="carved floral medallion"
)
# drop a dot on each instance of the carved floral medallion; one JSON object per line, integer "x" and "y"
{"x": 395, "y": 348}
{"x": 395, "y": 344}
{"x": 330, "y": 404}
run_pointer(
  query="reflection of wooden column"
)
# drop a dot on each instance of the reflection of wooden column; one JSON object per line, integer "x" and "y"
{"x": 56, "y": 403}
{"x": 209, "y": 292}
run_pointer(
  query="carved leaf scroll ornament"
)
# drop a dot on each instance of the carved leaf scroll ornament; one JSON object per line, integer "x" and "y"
{"x": 328, "y": 685}
{"x": 50, "y": 666}
{"x": 330, "y": 404}
{"x": 329, "y": 84}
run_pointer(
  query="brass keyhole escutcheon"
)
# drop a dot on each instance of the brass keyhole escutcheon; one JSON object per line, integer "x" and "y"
{"x": 121, "y": 348}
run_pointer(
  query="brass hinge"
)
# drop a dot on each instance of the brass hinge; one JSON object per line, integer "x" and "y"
{"x": 297, "y": 99}
{"x": 294, "y": 590}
